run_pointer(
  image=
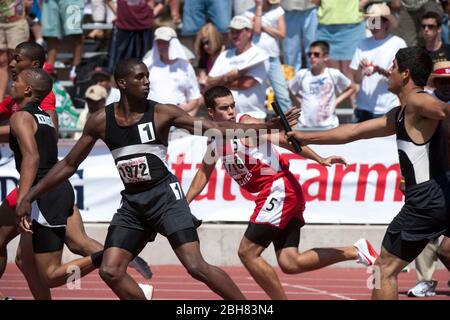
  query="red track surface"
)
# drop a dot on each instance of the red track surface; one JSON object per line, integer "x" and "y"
{"x": 172, "y": 282}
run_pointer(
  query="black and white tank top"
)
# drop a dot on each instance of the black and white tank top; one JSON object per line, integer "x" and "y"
{"x": 421, "y": 162}
{"x": 139, "y": 154}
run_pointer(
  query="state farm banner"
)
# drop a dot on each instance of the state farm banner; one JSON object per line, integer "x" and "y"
{"x": 363, "y": 192}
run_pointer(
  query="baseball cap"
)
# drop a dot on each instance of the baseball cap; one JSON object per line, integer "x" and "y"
{"x": 165, "y": 33}
{"x": 241, "y": 22}
{"x": 96, "y": 93}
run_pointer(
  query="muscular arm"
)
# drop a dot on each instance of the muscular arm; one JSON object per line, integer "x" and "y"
{"x": 233, "y": 79}
{"x": 429, "y": 107}
{"x": 24, "y": 127}
{"x": 197, "y": 126}
{"x": 67, "y": 167}
{"x": 346, "y": 133}
{"x": 202, "y": 176}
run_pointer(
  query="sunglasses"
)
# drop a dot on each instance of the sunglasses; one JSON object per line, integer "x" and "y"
{"x": 205, "y": 42}
{"x": 315, "y": 54}
{"x": 429, "y": 26}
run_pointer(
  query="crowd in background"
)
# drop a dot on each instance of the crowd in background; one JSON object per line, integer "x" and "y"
{"x": 319, "y": 54}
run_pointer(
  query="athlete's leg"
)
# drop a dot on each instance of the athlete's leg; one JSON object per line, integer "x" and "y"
{"x": 26, "y": 263}
{"x": 76, "y": 238}
{"x": 113, "y": 272}
{"x": 55, "y": 274}
{"x": 444, "y": 252}
{"x": 263, "y": 273}
{"x": 8, "y": 231}
{"x": 293, "y": 262}
{"x": 215, "y": 278}
{"x": 387, "y": 268}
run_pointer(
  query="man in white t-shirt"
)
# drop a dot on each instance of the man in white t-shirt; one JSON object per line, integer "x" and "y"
{"x": 242, "y": 69}
{"x": 320, "y": 90}
{"x": 371, "y": 62}
{"x": 172, "y": 78}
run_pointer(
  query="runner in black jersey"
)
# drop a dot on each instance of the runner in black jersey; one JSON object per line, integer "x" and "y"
{"x": 422, "y": 146}
{"x": 33, "y": 140}
{"x": 136, "y": 130}
{"x": 32, "y": 55}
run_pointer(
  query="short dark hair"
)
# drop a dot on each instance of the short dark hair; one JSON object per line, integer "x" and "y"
{"x": 39, "y": 80}
{"x": 215, "y": 92}
{"x": 433, "y": 15}
{"x": 32, "y": 51}
{"x": 325, "y": 46}
{"x": 417, "y": 61}
{"x": 124, "y": 67}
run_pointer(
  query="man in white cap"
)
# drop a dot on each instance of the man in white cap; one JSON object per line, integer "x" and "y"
{"x": 370, "y": 63}
{"x": 242, "y": 69}
{"x": 168, "y": 60}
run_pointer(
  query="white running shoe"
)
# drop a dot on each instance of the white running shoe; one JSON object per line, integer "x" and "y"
{"x": 141, "y": 266}
{"x": 147, "y": 289}
{"x": 366, "y": 253}
{"x": 423, "y": 289}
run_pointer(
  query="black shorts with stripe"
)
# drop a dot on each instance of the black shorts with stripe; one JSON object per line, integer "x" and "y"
{"x": 161, "y": 209}
{"x": 49, "y": 218}
{"x": 425, "y": 216}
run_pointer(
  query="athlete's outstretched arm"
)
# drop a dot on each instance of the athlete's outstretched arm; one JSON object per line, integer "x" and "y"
{"x": 65, "y": 168}
{"x": 24, "y": 127}
{"x": 281, "y": 140}
{"x": 183, "y": 120}
{"x": 380, "y": 127}
{"x": 203, "y": 174}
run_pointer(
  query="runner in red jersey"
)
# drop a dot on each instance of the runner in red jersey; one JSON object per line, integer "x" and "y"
{"x": 278, "y": 214}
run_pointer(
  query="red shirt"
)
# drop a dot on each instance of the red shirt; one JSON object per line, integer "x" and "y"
{"x": 8, "y": 106}
{"x": 134, "y": 15}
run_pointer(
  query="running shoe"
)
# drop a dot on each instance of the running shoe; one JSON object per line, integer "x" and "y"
{"x": 366, "y": 253}
{"x": 142, "y": 267}
{"x": 423, "y": 289}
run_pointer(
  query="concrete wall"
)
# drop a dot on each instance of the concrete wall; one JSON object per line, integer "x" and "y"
{"x": 219, "y": 242}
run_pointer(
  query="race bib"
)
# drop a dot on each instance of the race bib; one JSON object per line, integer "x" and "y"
{"x": 134, "y": 170}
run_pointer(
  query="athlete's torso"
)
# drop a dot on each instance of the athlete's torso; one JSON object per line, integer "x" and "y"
{"x": 421, "y": 162}
{"x": 46, "y": 140}
{"x": 139, "y": 150}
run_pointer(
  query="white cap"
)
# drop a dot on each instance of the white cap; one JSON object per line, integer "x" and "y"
{"x": 241, "y": 22}
{"x": 96, "y": 93}
{"x": 165, "y": 33}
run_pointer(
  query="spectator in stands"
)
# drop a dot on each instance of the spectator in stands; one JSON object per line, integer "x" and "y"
{"x": 95, "y": 97}
{"x": 172, "y": 78}
{"x": 371, "y": 62}
{"x": 208, "y": 45}
{"x": 102, "y": 77}
{"x": 66, "y": 111}
{"x": 132, "y": 36}
{"x": 13, "y": 30}
{"x": 431, "y": 33}
{"x": 61, "y": 18}
{"x": 410, "y": 13}
{"x": 301, "y": 28}
{"x": 240, "y": 6}
{"x": 243, "y": 70}
{"x": 196, "y": 12}
{"x": 320, "y": 90}
{"x": 341, "y": 25}
{"x": 34, "y": 14}
{"x": 445, "y": 35}
{"x": 268, "y": 28}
